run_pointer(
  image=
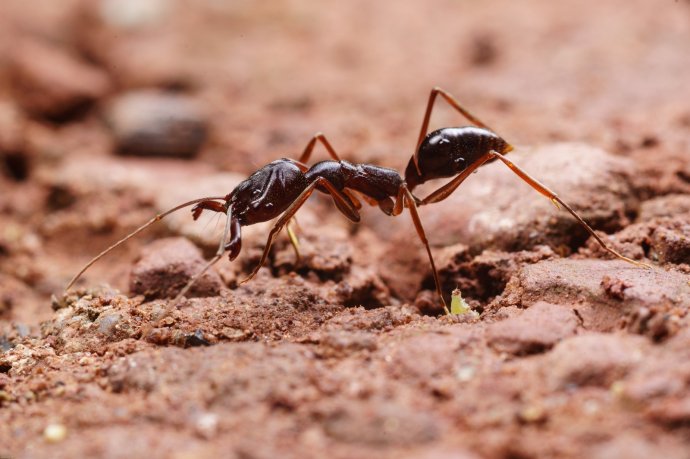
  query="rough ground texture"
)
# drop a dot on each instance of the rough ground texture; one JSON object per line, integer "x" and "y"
{"x": 344, "y": 353}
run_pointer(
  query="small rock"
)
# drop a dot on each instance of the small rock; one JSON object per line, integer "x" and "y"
{"x": 55, "y": 433}
{"x": 206, "y": 425}
{"x": 328, "y": 251}
{"x": 661, "y": 239}
{"x": 568, "y": 281}
{"x": 671, "y": 412}
{"x": 638, "y": 446}
{"x": 362, "y": 287}
{"x": 50, "y": 82}
{"x": 138, "y": 41}
{"x": 154, "y": 123}
{"x": 381, "y": 424}
{"x": 671, "y": 241}
{"x": 195, "y": 339}
{"x": 107, "y": 323}
{"x": 614, "y": 287}
{"x": 664, "y": 206}
{"x": 537, "y": 329}
{"x": 165, "y": 268}
{"x": 424, "y": 357}
{"x": 343, "y": 343}
{"x": 132, "y": 14}
{"x": 427, "y": 303}
{"x": 532, "y": 414}
{"x": 593, "y": 360}
{"x": 12, "y": 141}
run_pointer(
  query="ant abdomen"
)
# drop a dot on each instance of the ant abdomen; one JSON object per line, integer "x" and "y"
{"x": 448, "y": 151}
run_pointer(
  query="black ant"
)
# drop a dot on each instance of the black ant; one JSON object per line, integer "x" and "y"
{"x": 281, "y": 187}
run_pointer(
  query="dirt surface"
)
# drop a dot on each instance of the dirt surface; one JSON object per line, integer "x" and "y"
{"x": 111, "y": 111}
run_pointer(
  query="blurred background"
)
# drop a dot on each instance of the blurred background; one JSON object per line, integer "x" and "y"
{"x": 269, "y": 74}
{"x": 110, "y": 109}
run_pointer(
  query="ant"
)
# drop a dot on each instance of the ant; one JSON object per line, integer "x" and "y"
{"x": 281, "y": 187}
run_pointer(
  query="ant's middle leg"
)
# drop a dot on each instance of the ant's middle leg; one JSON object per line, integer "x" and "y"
{"x": 342, "y": 202}
{"x": 306, "y": 155}
{"x": 541, "y": 188}
{"x": 294, "y": 240}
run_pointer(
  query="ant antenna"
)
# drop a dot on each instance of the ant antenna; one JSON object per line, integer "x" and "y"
{"x": 219, "y": 254}
{"x": 134, "y": 233}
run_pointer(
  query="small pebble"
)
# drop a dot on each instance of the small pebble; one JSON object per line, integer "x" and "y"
{"x": 466, "y": 373}
{"x": 50, "y": 81}
{"x": 532, "y": 414}
{"x": 156, "y": 123}
{"x": 206, "y": 425}
{"x": 55, "y": 433}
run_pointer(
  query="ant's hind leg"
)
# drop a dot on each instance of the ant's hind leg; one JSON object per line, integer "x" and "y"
{"x": 541, "y": 188}
{"x": 294, "y": 240}
{"x": 405, "y": 198}
{"x": 427, "y": 118}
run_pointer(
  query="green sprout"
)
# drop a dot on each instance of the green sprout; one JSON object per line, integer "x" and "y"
{"x": 457, "y": 304}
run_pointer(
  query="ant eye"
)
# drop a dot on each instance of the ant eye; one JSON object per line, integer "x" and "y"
{"x": 458, "y": 161}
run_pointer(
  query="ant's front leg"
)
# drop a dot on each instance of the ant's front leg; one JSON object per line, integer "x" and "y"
{"x": 232, "y": 229}
{"x": 207, "y": 205}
